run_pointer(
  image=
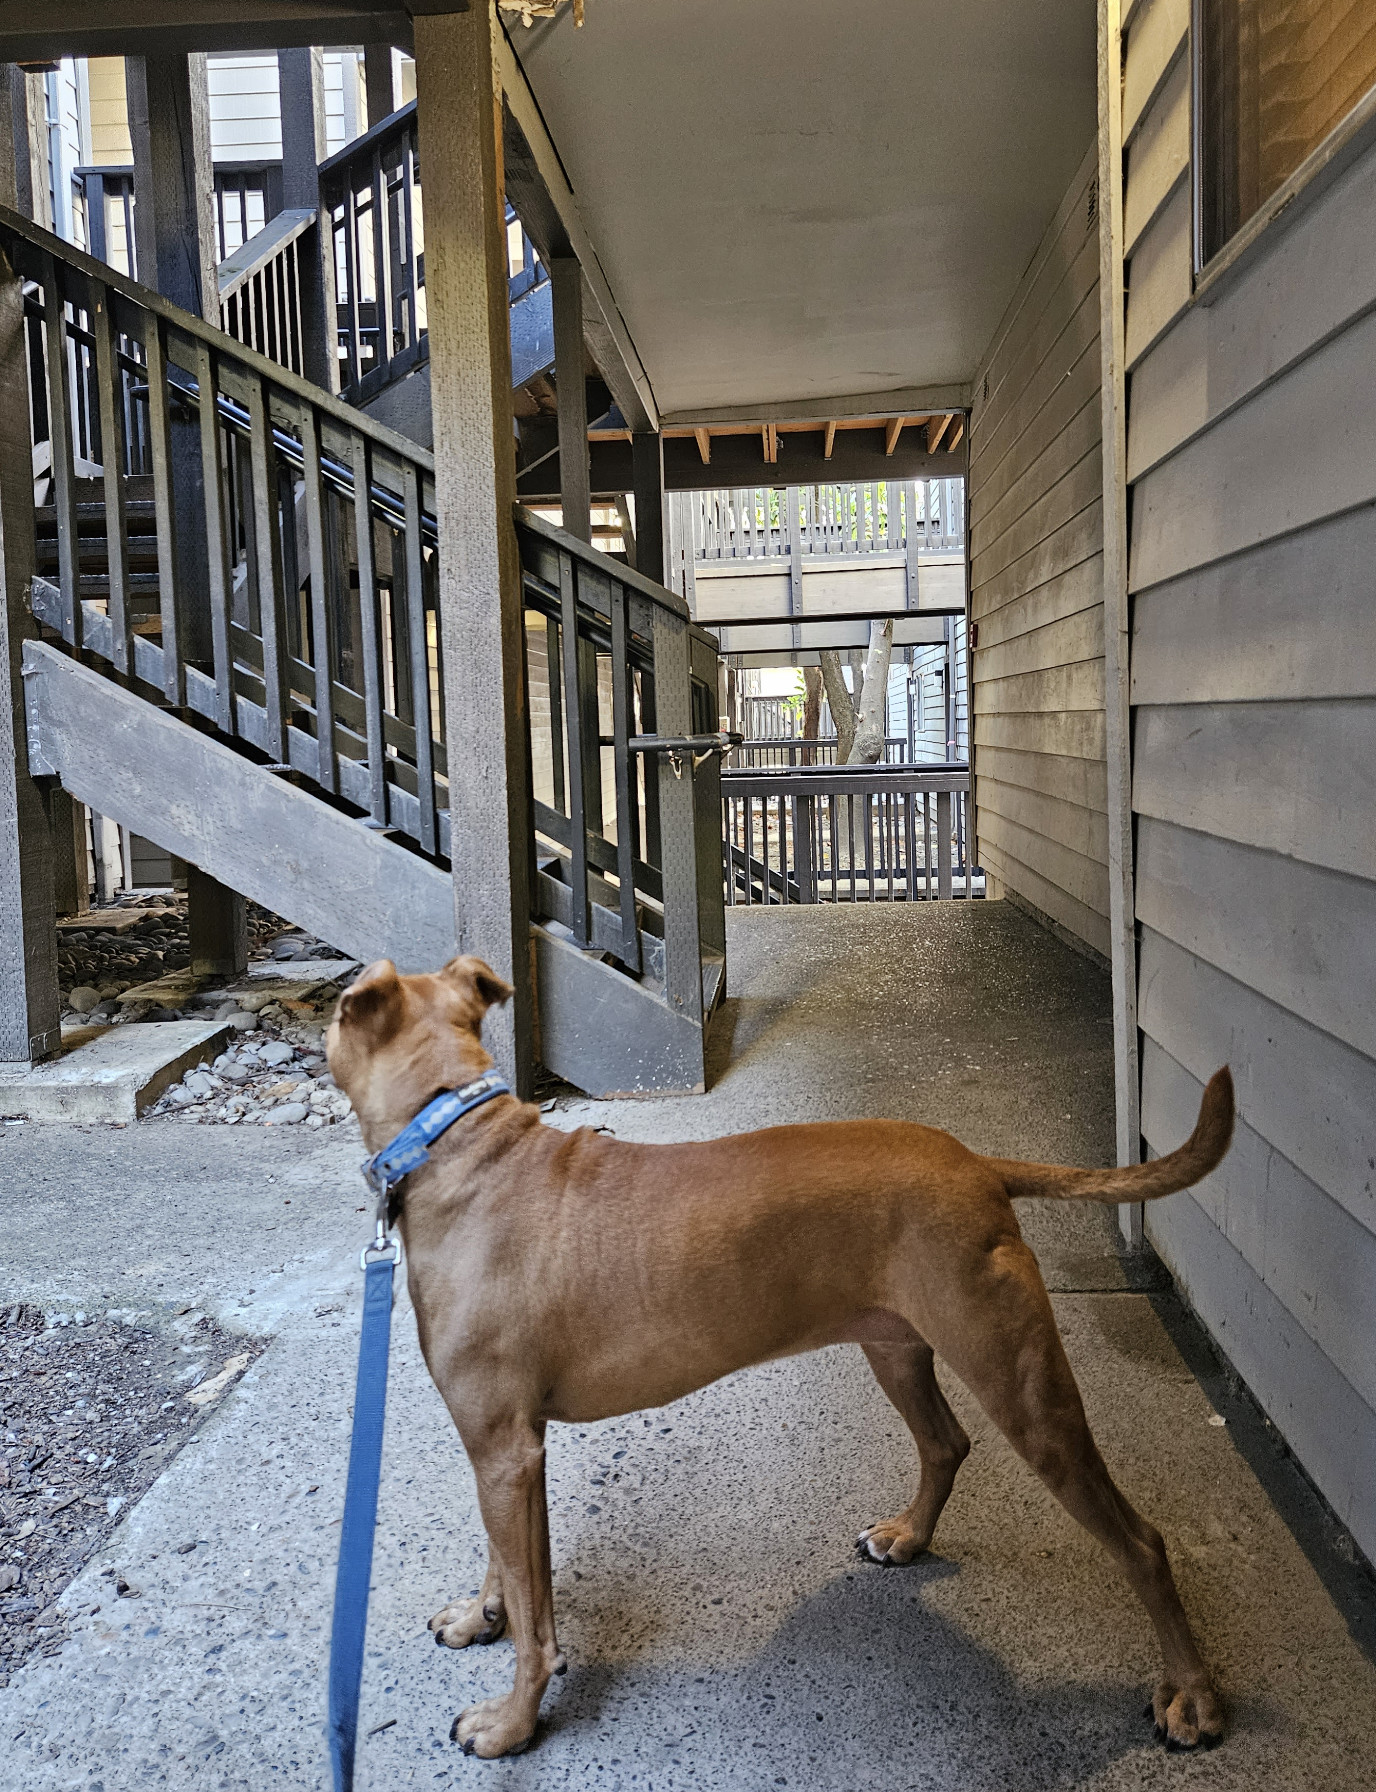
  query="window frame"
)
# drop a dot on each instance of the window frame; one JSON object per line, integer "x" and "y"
{"x": 1343, "y": 145}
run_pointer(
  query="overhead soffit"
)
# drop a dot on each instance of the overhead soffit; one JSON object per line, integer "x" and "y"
{"x": 794, "y": 199}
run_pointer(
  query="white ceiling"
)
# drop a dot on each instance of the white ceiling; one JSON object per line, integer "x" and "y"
{"x": 795, "y": 200}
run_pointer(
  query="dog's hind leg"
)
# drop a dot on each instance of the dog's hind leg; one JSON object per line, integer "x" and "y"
{"x": 907, "y": 1375}
{"x": 481, "y": 1619}
{"x": 1015, "y": 1365}
{"x": 508, "y": 1460}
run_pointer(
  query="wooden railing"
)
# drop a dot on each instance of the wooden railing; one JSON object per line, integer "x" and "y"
{"x": 854, "y": 833}
{"x": 370, "y": 197}
{"x": 371, "y": 194}
{"x": 625, "y": 762}
{"x": 784, "y": 751}
{"x": 756, "y": 522}
{"x": 245, "y": 548}
{"x": 240, "y": 544}
{"x": 261, "y": 290}
{"x": 248, "y": 195}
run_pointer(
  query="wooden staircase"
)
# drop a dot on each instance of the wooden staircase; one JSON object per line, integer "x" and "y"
{"x": 298, "y": 753}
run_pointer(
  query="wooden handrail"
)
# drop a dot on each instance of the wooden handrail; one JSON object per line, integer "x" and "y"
{"x": 261, "y": 248}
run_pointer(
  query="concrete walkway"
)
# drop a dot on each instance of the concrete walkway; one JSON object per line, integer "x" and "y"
{"x": 720, "y": 1631}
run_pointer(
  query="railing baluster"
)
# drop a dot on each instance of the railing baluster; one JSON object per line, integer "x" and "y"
{"x": 108, "y": 380}
{"x": 382, "y": 264}
{"x": 352, "y": 263}
{"x": 420, "y": 658}
{"x": 160, "y": 452}
{"x": 943, "y": 843}
{"x": 322, "y": 610}
{"x": 267, "y": 542}
{"x": 220, "y": 580}
{"x": 573, "y": 722}
{"x": 625, "y": 827}
{"x": 370, "y": 619}
{"x": 59, "y": 389}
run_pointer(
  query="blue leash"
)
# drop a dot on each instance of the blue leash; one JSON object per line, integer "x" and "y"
{"x": 380, "y": 1261}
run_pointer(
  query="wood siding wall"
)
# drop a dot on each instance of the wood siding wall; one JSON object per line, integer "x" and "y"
{"x": 1252, "y": 573}
{"x": 1036, "y": 533}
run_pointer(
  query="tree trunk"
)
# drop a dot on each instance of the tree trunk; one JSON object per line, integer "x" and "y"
{"x": 812, "y": 710}
{"x": 842, "y": 708}
{"x": 871, "y": 720}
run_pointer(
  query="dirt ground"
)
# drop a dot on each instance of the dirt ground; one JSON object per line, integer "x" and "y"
{"x": 93, "y": 1411}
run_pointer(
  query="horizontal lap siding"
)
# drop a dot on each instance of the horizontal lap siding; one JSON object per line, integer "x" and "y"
{"x": 1036, "y": 556}
{"x": 1252, "y": 462}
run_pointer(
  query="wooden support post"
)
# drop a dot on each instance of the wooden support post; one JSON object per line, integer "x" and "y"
{"x": 301, "y": 90}
{"x": 177, "y": 253}
{"x": 480, "y": 601}
{"x": 647, "y": 479}
{"x": 1117, "y": 637}
{"x": 570, "y": 379}
{"x": 174, "y": 229}
{"x": 218, "y": 925}
{"x": 67, "y": 825}
{"x": 40, "y": 192}
{"x": 16, "y": 175}
{"x": 379, "y": 82}
{"x": 29, "y": 1007}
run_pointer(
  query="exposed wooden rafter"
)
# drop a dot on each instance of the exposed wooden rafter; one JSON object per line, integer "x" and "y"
{"x": 892, "y": 430}
{"x": 956, "y": 434}
{"x": 703, "y": 438}
{"x": 830, "y": 441}
{"x": 936, "y": 429}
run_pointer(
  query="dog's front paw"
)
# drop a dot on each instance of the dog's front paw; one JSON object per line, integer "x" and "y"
{"x": 494, "y": 1727}
{"x": 1187, "y": 1717}
{"x": 893, "y": 1544}
{"x": 469, "y": 1621}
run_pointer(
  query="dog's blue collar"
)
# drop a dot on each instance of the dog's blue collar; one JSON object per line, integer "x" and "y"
{"x": 410, "y": 1148}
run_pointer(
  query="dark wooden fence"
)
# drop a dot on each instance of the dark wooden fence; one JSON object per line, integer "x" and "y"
{"x": 851, "y": 833}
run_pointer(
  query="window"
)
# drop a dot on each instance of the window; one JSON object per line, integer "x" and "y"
{"x": 1275, "y": 78}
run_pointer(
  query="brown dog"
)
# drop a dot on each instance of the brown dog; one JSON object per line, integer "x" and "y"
{"x": 571, "y": 1276}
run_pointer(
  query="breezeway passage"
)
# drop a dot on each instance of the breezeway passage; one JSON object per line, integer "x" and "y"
{"x": 719, "y": 1628}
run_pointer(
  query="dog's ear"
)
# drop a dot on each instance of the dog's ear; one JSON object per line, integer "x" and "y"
{"x": 473, "y": 975}
{"x": 372, "y": 1002}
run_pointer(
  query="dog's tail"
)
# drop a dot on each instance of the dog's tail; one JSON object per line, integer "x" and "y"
{"x": 1202, "y": 1151}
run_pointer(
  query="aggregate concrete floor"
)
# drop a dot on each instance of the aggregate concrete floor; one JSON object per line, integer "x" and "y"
{"x": 720, "y": 1631}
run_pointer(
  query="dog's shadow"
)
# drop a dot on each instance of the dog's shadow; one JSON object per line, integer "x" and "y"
{"x": 864, "y": 1684}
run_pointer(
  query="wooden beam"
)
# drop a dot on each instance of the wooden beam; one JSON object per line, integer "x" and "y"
{"x": 936, "y": 429}
{"x": 892, "y": 430}
{"x": 614, "y": 351}
{"x": 771, "y": 444}
{"x": 30, "y": 1018}
{"x": 301, "y": 92}
{"x": 647, "y": 471}
{"x": 480, "y": 601}
{"x": 171, "y": 27}
{"x": 703, "y": 438}
{"x": 829, "y": 441}
{"x": 870, "y": 407}
{"x": 191, "y": 794}
{"x": 571, "y": 387}
{"x": 379, "y": 82}
{"x": 956, "y": 434}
